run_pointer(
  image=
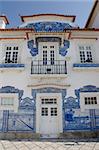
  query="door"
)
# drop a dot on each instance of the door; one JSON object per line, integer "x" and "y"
{"x": 48, "y": 55}
{"x": 49, "y": 121}
{"x": 49, "y": 117}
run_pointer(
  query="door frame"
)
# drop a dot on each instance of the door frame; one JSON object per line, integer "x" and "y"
{"x": 59, "y": 108}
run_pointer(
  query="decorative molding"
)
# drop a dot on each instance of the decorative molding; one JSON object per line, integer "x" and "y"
{"x": 38, "y": 86}
{"x": 88, "y": 88}
{"x": 27, "y": 103}
{"x": 48, "y": 39}
{"x": 48, "y": 90}
{"x": 48, "y": 26}
{"x": 11, "y": 89}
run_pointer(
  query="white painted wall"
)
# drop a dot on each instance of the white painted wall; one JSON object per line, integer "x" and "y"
{"x": 74, "y": 78}
{"x": 91, "y": 106}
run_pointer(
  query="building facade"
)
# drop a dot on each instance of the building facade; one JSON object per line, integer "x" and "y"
{"x": 49, "y": 76}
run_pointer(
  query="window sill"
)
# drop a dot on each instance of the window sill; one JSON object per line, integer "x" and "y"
{"x": 12, "y": 67}
{"x": 87, "y": 66}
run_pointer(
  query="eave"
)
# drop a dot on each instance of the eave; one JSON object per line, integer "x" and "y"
{"x": 91, "y": 14}
{"x": 5, "y": 19}
{"x": 60, "y": 15}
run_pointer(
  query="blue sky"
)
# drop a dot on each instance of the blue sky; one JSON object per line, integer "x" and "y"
{"x": 13, "y": 8}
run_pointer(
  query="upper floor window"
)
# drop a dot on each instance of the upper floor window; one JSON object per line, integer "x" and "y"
{"x": 52, "y": 57}
{"x": 85, "y": 54}
{"x": 51, "y": 46}
{"x": 44, "y": 46}
{"x": 11, "y": 55}
{"x": 44, "y": 57}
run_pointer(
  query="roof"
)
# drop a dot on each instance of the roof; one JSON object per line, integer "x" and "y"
{"x": 91, "y": 13}
{"x": 60, "y": 15}
{"x": 5, "y": 19}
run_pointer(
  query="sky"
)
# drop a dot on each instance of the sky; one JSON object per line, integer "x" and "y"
{"x": 14, "y": 8}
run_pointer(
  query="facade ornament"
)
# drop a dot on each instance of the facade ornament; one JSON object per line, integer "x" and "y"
{"x": 48, "y": 26}
{"x": 33, "y": 48}
{"x": 63, "y": 50}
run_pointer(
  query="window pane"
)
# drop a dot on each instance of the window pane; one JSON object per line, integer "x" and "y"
{"x": 82, "y": 56}
{"x": 11, "y": 55}
{"x": 44, "y": 57}
{"x": 44, "y": 111}
{"x": 85, "y": 54}
{"x": 49, "y": 101}
{"x": 7, "y": 101}
{"x": 52, "y": 57}
{"x": 90, "y": 100}
{"x": 53, "y": 111}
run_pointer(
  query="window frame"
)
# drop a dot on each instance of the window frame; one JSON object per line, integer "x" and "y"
{"x": 90, "y": 100}
{"x": 11, "y": 54}
{"x": 15, "y": 105}
{"x": 86, "y": 53}
{"x": 90, "y": 95}
{"x": 4, "y": 101}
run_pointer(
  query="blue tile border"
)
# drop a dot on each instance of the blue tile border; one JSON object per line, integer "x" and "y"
{"x": 85, "y": 65}
{"x": 12, "y": 65}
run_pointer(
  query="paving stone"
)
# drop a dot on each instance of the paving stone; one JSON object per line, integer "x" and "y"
{"x": 45, "y": 145}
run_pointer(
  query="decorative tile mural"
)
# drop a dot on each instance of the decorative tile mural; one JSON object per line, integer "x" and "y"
{"x": 34, "y": 47}
{"x": 73, "y": 118}
{"x": 48, "y": 26}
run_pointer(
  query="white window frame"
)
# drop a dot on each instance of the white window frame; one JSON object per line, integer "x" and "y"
{"x": 52, "y": 57}
{"x": 86, "y": 50}
{"x": 44, "y": 57}
{"x": 90, "y": 100}
{"x": 13, "y": 96}
{"x": 7, "y": 101}
{"x": 84, "y": 106}
{"x": 49, "y": 46}
{"x": 13, "y": 51}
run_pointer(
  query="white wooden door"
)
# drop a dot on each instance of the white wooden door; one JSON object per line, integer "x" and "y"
{"x": 49, "y": 117}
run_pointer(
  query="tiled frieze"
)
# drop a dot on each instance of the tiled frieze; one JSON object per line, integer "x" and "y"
{"x": 73, "y": 117}
{"x": 48, "y": 26}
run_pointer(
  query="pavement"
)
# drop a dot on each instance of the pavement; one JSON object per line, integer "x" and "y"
{"x": 55, "y": 144}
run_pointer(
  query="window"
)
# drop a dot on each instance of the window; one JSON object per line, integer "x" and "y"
{"x": 49, "y": 101}
{"x": 51, "y": 46}
{"x": 44, "y": 111}
{"x": 90, "y": 100}
{"x": 11, "y": 55}
{"x": 52, "y": 57}
{"x": 7, "y": 101}
{"x": 53, "y": 111}
{"x": 44, "y": 46}
{"x": 85, "y": 54}
{"x": 44, "y": 57}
